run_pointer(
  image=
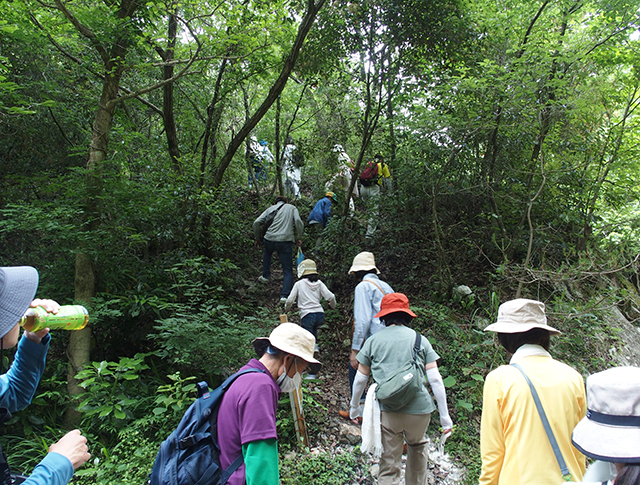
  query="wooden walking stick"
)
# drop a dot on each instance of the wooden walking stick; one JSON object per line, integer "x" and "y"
{"x": 295, "y": 397}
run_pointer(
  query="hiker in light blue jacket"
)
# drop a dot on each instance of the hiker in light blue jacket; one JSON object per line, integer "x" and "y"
{"x": 18, "y": 286}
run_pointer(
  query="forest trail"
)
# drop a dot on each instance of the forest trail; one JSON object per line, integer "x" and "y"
{"x": 331, "y": 390}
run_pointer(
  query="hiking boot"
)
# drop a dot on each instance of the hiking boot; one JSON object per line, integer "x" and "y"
{"x": 345, "y": 415}
{"x": 262, "y": 279}
{"x": 283, "y": 300}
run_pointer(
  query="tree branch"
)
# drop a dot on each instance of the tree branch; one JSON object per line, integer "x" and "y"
{"x": 86, "y": 31}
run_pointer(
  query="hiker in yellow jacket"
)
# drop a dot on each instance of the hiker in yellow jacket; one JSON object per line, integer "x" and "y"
{"x": 374, "y": 177}
{"x": 514, "y": 446}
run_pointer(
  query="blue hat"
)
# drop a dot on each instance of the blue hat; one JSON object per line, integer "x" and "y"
{"x": 18, "y": 285}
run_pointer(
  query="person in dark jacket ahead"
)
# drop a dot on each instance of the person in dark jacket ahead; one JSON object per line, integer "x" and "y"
{"x": 285, "y": 230}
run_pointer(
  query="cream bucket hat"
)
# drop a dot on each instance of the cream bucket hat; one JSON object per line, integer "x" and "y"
{"x": 521, "y": 315}
{"x": 307, "y": 266}
{"x": 611, "y": 429}
{"x": 292, "y": 339}
{"x": 364, "y": 262}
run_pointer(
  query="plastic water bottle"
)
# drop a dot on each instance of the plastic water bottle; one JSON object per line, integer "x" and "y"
{"x": 70, "y": 317}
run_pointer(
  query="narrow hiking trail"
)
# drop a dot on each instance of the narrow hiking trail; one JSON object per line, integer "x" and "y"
{"x": 331, "y": 390}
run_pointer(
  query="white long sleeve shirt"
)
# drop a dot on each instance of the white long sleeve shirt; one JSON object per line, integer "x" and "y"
{"x": 309, "y": 295}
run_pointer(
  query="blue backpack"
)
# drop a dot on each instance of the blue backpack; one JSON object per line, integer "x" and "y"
{"x": 191, "y": 453}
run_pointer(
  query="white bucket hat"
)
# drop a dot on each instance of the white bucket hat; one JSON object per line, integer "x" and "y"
{"x": 611, "y": 429}
{"x": 363, "y": 261}
{"x": 521, "y": 315}
{"x": 18, "y": 285}
{"x": 292, "y": 339}
{"x": 307, "y": 266}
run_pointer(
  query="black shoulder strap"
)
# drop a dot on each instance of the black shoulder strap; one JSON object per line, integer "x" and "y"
{"x": 416, "y": 347}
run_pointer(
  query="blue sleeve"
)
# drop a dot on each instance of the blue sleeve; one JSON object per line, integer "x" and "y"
{"x": 326, "y": 212}
{"x": 19, "y": 384}
{"x": 55, "y": 469}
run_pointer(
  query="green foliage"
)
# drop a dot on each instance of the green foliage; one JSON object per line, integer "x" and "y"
{"x": 115, "y": 393}
{"x": 195, "y": 341}
{"x": 316, "y": 416}
{"x": 174, "y": 396}
{"x": 323, "y": 468}
{"x": 128, "y": 462}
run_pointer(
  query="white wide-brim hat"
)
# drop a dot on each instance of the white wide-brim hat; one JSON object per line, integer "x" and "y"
{"x": 521, "y": 315}
{"x": 611, "y": 429}
{"x": 292, "y": 339}
{"x": 18, "y": 285}
{"x": 363, "y": 261}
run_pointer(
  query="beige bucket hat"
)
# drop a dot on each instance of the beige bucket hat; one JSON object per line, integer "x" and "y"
{"x": 611, "y": 429}
{"x": 292, "y": 339}
{"x": 521, "y": 315}
{"x": 307, "y": 266}
{"x": 363, "y": 261}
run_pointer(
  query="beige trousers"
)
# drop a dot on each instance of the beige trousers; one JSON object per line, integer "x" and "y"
{"x": 396, "y": 429}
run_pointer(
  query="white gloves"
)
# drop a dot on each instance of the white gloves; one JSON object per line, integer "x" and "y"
{"x": 359, "y": 383}
{"x": 437, "y": 386}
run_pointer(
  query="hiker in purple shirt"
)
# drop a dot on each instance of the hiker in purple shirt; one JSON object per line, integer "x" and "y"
{"x": 247, "y": 415}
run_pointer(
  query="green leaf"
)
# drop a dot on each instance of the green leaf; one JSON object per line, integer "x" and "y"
{"x": 449, "y": 381}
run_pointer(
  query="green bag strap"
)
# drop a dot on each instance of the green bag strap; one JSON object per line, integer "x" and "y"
{"x": 416, "y": 348}
{"x": 566, "y": 475}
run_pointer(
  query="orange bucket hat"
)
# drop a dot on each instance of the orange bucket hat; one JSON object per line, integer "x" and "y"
{"x": 394, "y": 302}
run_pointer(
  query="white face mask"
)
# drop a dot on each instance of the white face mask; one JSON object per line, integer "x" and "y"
{"x": 289, "y": 384}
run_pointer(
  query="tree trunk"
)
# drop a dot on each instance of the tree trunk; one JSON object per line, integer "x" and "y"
{"x": 277, "y": 148}
{"x": 167, "y": 104}
{"x": 274, "y": 92}
{"x": 85, "y": 272}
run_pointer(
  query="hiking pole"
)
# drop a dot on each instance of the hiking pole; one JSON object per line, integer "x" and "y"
{"x": 295, "y": 397}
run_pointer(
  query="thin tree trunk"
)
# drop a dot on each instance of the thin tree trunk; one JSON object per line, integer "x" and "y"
{"x": 167, "y": 104}
{"x": 277, "y": 147}
{"x": 85, "y": 276}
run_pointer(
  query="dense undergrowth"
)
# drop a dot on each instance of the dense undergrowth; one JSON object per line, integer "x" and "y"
{"x": 169, "y": 316}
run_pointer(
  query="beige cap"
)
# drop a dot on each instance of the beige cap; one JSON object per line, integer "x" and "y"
{"x": 521, "y": 315}
{"x": 307, "y": 266}
{"x": 292, "y": 339}
{"x": 364, "y": 261}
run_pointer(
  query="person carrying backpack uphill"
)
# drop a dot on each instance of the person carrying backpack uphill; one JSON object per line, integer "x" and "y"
{"x": 247, "y": 415}
{"x": 372, "y": 177}
{"x": 398, "y": 359}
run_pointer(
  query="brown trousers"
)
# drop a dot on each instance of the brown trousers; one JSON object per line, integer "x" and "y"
{"x": 396, "y": 429}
